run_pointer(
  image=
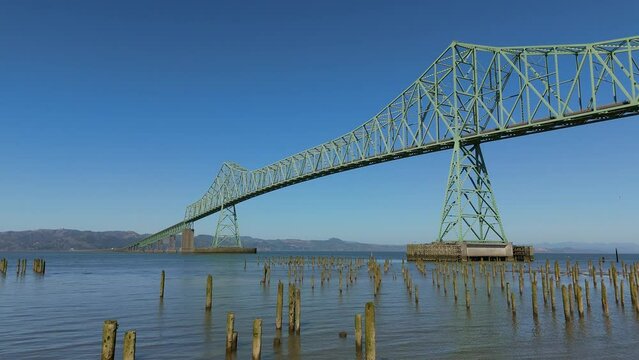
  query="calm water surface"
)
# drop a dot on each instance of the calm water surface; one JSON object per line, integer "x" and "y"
{"x": 60, "y": 315}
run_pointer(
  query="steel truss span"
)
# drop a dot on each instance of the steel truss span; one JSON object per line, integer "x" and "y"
{"x": 470, "y": 94}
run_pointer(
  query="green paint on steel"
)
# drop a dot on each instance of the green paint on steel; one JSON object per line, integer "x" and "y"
{"x": 470, "y": 94}
{"x": 470, "y": 210}
{"x": 227, "y": 233}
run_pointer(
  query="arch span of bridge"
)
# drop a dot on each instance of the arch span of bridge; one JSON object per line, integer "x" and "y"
{"x": 469, "y": 95}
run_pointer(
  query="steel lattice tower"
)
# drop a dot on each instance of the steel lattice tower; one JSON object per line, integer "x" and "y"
{"x": 470, "y": 211}
{"x": 227, "y": 233}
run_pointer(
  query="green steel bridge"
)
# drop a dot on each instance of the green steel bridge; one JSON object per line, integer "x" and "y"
{"x": 469, "y": 95}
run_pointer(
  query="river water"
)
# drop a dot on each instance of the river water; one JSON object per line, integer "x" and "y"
{"x": 60, "y": 315}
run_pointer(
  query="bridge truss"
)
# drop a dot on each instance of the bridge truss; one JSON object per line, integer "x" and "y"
{"x": 469, "y": 95}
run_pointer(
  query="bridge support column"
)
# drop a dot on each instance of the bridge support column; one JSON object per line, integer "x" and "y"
{"x": 188, "y": 240}
{"x": 227, "y": 233}
{"x": 470, "y": 211}
{"x": 171, "y": 243}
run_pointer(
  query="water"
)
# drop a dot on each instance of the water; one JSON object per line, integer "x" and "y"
{"x": 60, "y": 315}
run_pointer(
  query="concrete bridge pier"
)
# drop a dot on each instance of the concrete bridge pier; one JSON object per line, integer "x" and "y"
{"x": 188, "y": 240}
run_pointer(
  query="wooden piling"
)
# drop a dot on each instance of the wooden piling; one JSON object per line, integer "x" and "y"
{"x": 534, "y": 298}
{"x": 513, "y": 307}
{"x": 580, "y": 301}
{"x": 129, "y": 345}
{"x": 291, "y": 307}
{"x": 209, "y": 292}
{"x": 358, "y": 332}
{"x": 604, "y": 298}
{"x": 370, "y": 330}
{"x": 109, "y": 333}
{"x": 162, "y": 285}
{"x": 279, "y": 305}
{"x": 566, "y": 302}
{"x": 621, "y": 293}
{"x": 587, "y": 287}
{"x": 552, "y": 297}
{"x": 298, "y": 310}
{"x": 257, "y": 339}
{"x": 570, "y": 298}
{"x": 544, "y": 288}
{"x": 467, "y": 299}
{"x": 230, "y": 322}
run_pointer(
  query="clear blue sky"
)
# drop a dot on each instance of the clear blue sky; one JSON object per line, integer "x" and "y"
{"x": 117, "y": 114}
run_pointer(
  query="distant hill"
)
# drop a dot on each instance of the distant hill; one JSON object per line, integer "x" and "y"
{"x": 573, "y": 247}
{"x": 66, "y": 239}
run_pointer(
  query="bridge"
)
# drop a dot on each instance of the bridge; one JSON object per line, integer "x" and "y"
{"x": 469, "y": 95}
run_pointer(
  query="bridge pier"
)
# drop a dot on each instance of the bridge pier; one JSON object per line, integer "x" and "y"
{"x": 188, "y": 240}
{"x": 471, "y": 227}
{"x": 470, "y": 210}
{"x": 227, "y": 232}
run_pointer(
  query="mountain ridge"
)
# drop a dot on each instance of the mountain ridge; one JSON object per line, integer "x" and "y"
{"x": 71, "y": 239}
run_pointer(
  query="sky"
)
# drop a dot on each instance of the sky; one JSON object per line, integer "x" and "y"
{"x": 115, "y": 115}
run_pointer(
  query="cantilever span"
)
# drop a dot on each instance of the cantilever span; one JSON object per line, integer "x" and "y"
{"x": 469, "y": 95}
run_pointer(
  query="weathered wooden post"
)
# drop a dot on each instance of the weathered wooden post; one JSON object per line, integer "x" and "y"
{"x": 512, "y": 302}
{"x": 543, "y": 287}
{"x": 358, "y": 332}
{"x": 209, "y": 292}
{"x": 162, "y": 285}
{"x": 534, "y": 298}
{"x": 551, "y": 287}
{"x": 417, "y": 295}
{"x": 467, "y": 299}
{"x": 278, "y": 306}
{"x": 580, "y": 301}
{"x": 370, "y": 331}
{"x": 129, "y": 345}
{"x": 230, "y": 322}
{"x": 570, "y": 298}
{"x": 291, "y": 307}
{"x": 257, "y": 339}
{"x": 298, "y": 310}
{"x": 621, "y": 293}
{"x": 109, "y": 333}
{"x": 604, "y": 298}
{"x": 566, "y": 302}
{"x": 587, "y": 293}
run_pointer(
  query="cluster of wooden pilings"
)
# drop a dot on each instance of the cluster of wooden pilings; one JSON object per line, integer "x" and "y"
{"x": 347, "y": 270}
{"x": 109, "y": 335}
{"x": 3, "y": 266}
{"x": 497, "y": 279}
{"x": 39, "y": 266}
{"x": 21, "y": 267}
{"x": 572, "y": 291}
